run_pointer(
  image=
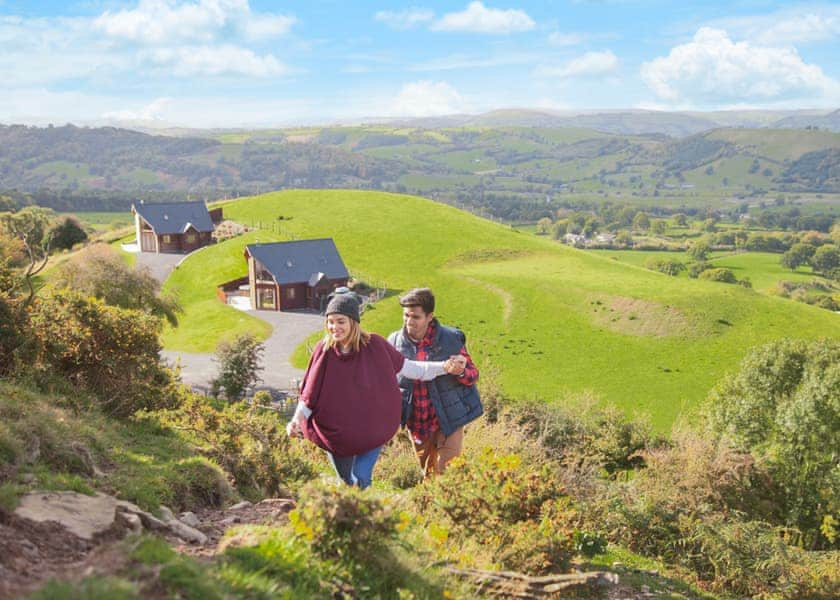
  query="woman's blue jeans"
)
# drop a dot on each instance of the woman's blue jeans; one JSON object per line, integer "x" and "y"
{"x": 356, "y": 469}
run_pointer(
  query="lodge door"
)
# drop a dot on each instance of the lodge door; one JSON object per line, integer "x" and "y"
{"x": 147, "y": 241}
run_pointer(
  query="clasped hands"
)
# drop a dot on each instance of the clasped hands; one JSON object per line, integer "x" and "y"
{"x": 455, "y": 364}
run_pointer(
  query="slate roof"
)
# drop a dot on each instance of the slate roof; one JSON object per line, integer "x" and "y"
{"x": 299, "y": 261}
{"x": 175, "y": 217}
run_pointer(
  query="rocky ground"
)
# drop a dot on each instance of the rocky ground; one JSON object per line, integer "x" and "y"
{"x": 70, "y": 536}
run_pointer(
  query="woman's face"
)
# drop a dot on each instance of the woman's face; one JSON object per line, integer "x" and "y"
{"x": 338, "y": 326}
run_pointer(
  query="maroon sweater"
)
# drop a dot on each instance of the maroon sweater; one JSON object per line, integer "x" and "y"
{"x": 355, "y": 400}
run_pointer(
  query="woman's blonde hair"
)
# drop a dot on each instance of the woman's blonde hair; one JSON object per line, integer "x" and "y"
{"x": 356, "y": 338}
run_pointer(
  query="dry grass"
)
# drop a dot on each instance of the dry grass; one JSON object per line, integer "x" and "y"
{"x": 642, "y": 317}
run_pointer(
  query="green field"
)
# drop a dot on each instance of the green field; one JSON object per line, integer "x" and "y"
{"x": 63, "y": 167}
{"x": 761, "y": 268}
{"x": 548, "y": 320}
{"x": 103, "y": 220}
{"x": 778, "y": 144}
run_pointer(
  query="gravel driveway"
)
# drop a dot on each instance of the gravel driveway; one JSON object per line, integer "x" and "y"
{"x": 159, "y": 265}
{"x": 290, "y": 329}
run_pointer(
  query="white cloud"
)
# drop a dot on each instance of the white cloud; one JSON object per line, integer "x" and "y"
{"x": 268, "y": 26}
{"x": 426, "y": 99}
{"x": 215, "y": 60}
{"x": 170, "y": 22}
{"x": 405, "y": 19}
{"x": 787, "y": 27}
{"x": 460, "y": 61}
{"x": 557, "y": 38}
{"x": 38, "y": 105}
{"x": 590, "y": 64}
{"x": 32, "y": 48}
{"x": 711, "y": 69}
{"x": 151, "y": 112}
{"x": 477, "y": 18}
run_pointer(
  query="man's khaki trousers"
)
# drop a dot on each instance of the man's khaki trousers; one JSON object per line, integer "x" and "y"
{"x": 437, "y": 450}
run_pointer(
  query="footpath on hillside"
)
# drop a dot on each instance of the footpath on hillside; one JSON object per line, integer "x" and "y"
{"x": 70, "y": 536}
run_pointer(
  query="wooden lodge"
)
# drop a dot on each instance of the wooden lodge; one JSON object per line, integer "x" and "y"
{"x": 174, "y": 227}
{"x": 288, "y": 276}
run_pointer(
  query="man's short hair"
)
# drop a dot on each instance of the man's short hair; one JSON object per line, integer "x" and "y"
{"x": 422, "y": 297}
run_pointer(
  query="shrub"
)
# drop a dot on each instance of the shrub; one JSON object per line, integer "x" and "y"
{"x": 694, "y": 269}
{"x": 691, "y": 479}
{"x": 110, "y": 352}
{"x": 747, "y": 558}
{"x": 827, "y": 302}
{"x": 782, "y": 407}
{"x": 398, "y": 464}
{"x": 600, "y": 436}
{"x": 664, "y": 265}
{"x": 249, "y": 443}
{"x": 718, "y": 274}
{"x": 16, "y": 347}
{"x": 517, "y": 513}
{"x": 67, "y": 232}
{"x": 198, "y": 483}
{"x": 239, "y": 365}
{"x": 99, "y": 271}
{"x": 343, "y": 522}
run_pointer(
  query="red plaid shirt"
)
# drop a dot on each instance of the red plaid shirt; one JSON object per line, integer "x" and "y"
{"x": 423, "y": 421}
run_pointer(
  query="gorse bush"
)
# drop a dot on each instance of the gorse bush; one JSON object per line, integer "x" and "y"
{"x": 248, "y": 442}
{"x": 398, "y": 464}
{"x": 691, "y": 479}
{"x": 602, "y": 436}
{"x": 16, "y": 346}
{"x": 110, "y": 352}
{"x": 343, "y": 522}
{"x": 518, "y": 513}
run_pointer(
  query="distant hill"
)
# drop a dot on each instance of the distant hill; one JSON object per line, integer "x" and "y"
{"x": 635, "y": 122}
{"x": 829, "y": 122}
{"x": 520, "y": 171}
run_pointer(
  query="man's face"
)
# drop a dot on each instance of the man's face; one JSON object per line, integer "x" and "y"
{"x": 416, "y": 321}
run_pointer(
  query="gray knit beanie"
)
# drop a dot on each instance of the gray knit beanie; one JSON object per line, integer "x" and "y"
{"x": 344, "y": 304}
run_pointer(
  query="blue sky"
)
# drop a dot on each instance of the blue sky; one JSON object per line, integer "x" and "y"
{"x": 227, "y": 63}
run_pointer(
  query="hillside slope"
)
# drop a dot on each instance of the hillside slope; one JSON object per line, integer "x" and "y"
{"x": 549, "y": 319}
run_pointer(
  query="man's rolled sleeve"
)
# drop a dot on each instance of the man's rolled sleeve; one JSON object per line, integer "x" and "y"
{"x": 470, "y": 374}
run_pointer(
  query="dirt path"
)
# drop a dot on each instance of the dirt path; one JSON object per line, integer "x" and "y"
{"x": 505, "y": 296}
{"x": 33, "y": 553}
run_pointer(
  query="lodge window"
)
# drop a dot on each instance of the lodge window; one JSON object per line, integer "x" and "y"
{"x": 167, "y": 239}
{"x": 266, "y": 299}
{"x": 190, "y": 238}
{"x": 290, "y": 293}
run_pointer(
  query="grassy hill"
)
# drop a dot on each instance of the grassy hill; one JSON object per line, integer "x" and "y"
{"x": 206, "y": 320}
{"x": 549, "y": 320}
